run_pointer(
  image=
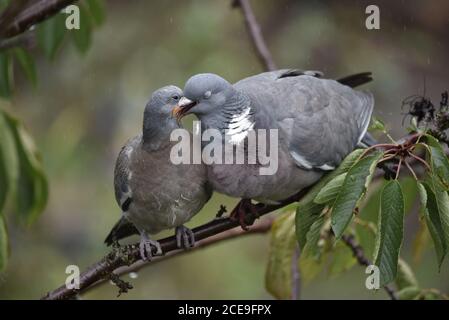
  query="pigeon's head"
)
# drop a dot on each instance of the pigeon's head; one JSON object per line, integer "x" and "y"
{"x": 203, "y": 94}
{"x": 159, "y": 109}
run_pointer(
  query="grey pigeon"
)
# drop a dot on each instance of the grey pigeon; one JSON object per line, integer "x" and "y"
{"x": 320, "y": 121}
{"x": 153, "y": 193}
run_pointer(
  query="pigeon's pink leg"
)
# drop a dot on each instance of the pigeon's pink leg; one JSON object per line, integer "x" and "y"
{"x": 239, "y": 213}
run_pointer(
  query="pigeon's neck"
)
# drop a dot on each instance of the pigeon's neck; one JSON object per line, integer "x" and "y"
{"x": 234, "y": 119}
{"x": 156, "y": 132}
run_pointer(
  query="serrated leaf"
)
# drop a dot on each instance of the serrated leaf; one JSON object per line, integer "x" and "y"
{"x": 313, "y": 257}
{"x": 442, "y": 201}
{"x": 406, "y": 277}
{"x": 330, "y": 190}
{"x": 390, "y": 231}
{"x": 307, "y": 210}
{"x": 5, "y": 75}
{"x": 306, "y": 214}
{"x": 433, "y": 222}
{"x": 3, "y": 244}
{"x": 278, "y": 276}
{"x": 27, "y": 64}
{"x": 96, "y": 9}
{"x": 439, "y": 162}
{"x": 312, "y": 248}
{"x": 50, "y": 35}
{"x": 82, "y": 37}
{"x": 354, "y": 186}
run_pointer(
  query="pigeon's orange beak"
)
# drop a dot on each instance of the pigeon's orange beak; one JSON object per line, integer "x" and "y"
{"x": 183, "y": 106}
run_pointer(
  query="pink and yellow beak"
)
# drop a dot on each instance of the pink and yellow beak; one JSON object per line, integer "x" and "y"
{"x": 183, "y": 106}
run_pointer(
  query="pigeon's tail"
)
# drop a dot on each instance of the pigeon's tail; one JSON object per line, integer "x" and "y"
{"x": 356, "y": 80}
{"x": 122, "y": 229}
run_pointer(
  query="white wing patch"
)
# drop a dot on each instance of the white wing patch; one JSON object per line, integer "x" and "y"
{"x": 239, "y": 126}
{"x": 302, "y": 162}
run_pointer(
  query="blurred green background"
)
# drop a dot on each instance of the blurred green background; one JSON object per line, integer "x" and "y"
{"x": 85, "y": 107}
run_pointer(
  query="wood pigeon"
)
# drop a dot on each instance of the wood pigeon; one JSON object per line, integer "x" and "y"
{"x": 319, "y": 122}
{"x": 153, "y": 193}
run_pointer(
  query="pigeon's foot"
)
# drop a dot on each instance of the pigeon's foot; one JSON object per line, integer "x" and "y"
{"x": 146, "y": 247}
{"x": 240, "y": 212}
{"x": 185, "y": 238}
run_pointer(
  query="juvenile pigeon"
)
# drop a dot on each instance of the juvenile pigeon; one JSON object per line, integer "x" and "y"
{"x": 319, "y": 122}
{"x": 153, "y": 193}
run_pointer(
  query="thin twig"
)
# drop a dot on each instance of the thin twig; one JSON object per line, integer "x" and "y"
{"x": 424, "y": 162}
{"x": 411, "y": 170}
{"x": 25, "y": 40}
{"x": 399, "y": 168}
{"x": 359, "y": 254}
{"x": 255, "y": 34}
{"x": 32, "y": 13}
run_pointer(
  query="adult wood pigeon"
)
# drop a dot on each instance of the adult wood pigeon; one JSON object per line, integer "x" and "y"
{"x": 319, "y": 122}
{"x": 153, "y": 193}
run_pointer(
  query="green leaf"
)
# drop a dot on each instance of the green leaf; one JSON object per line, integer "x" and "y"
{"x": 330, "y": 190}
{"x": 409, "y": 293}
{"x": 5, "y": 75}
{"x": 50, "y": 35}
{"x": 306, "y": 214}
{"x": 313, "y": 257}
{"x": 433, "y": 222}
{"x": 354, "y": 186}
{"x": 3, "y": 244}
{"x": 410, "y": 191}
{"x": 406, "y": 277}
{"x": 377, "y": 124}
{"x": 96, "y": 9}
{"x": 83, "y": 36}
{"x": 311, "y": 267}
{"x": 32, "y": 187}
{"x": 390, "y": 231}
{"x": 312, "y": 247}
{"x": 439, "y": 161}
{"x": 278, "y": 276}
{"x": 436, "y": 213}
{"x": 308, "y": 211}
{"x": 27, "y": 63}
{"x": 8, "y": 160}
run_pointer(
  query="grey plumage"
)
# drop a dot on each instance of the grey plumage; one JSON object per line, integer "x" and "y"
{"x": 153, "y": 193}
{"x": 319, "y": 120}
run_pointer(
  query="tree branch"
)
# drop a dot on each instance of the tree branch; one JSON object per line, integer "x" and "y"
{"x": 21, "y": 15}
{"x": 255, "y": 34}
{"x": 357, "y": 250}
{"x": 24, "y": 40}
{"x": 128, "y": 255}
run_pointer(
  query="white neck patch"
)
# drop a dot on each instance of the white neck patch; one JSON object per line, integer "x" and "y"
{"x": 239, "y": 126}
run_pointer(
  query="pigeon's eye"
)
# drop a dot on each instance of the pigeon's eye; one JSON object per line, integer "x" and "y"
{"x": 176, "y": 97}
{"x": 207, "y": 94}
